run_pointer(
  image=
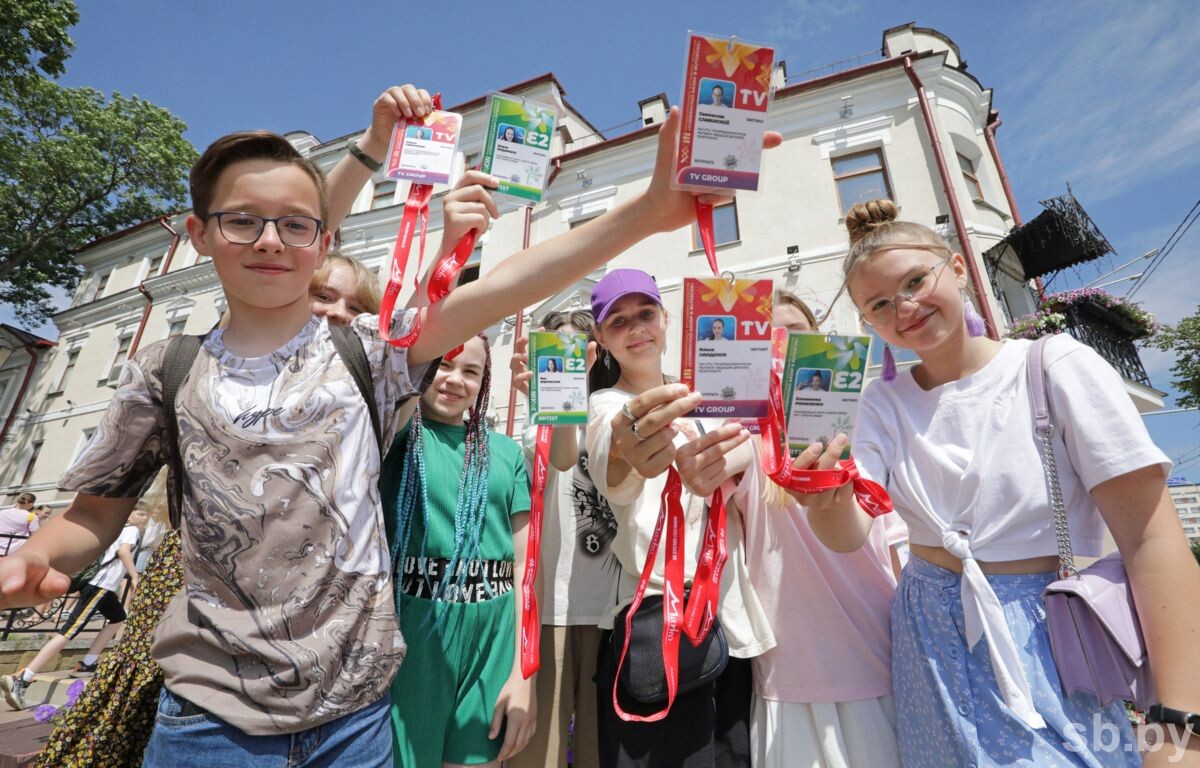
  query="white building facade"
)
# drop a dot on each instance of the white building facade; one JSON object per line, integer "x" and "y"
{"x": 1186, "y": 496}
{"x": 913, "y": 126}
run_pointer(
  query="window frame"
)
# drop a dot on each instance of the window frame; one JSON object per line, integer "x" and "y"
{"x": 69, "y": 362}
{"x": 971, "y": 176}
{"x": 698, "y": 245}
{"x": 30, "y": 463}
{"x": 843, "y": 209}
{"x": 376, "y": 198}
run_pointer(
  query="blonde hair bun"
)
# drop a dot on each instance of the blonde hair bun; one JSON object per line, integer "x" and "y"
{"x": 865, "y": 218}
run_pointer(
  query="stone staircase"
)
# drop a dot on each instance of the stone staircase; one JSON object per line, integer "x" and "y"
{"x": 22, "y": 737}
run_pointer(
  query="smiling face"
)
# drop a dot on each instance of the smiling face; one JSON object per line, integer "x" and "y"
{"x": 635, "y": 332}
{"x": 922, "y": 325}
{"x": 815, "y": 381}
{"x": 456, "y": 384}
{"x": 265, "y": 274}
{"x": 337, "y": 297}
{"x": 509, "y": 134}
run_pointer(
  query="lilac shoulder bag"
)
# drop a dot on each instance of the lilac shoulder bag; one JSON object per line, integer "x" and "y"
{"x": 1095, "y": 634}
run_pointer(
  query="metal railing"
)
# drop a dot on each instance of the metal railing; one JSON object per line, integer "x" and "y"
{"x": 49, "y": 617}
{"x": 1107, "y": 333}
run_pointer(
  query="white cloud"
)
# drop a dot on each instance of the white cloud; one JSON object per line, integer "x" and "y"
{"x": 1109, "y": 95}
{"x": 804, "y": 19}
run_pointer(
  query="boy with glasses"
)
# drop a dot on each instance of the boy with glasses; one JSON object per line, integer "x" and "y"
{"x": 284, "y": 642}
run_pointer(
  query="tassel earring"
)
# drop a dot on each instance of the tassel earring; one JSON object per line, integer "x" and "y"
{"x": 975, "y": 324}
{"x": 889, "y": 364}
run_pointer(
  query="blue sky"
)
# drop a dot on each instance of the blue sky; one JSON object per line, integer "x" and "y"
{"x": 1105, "y": 95}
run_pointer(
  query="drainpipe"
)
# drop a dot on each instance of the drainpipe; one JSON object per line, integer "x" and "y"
{"x": 989, "y": 134}
{"x": 955, "y": 211}
{"x": 520, "y": 326}
{"x": 32, "y": 349}
{"x": 166, "y": 265}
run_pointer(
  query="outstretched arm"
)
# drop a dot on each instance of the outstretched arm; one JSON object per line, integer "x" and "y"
{"x": 540, "y": 270}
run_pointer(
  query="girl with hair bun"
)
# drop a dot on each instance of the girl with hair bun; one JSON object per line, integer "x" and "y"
{"x": 952, "y": 439}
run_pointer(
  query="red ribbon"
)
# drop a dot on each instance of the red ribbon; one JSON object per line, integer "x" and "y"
{"x": 776, "y": 463}
{"x": 416, "y": 209}
{"x": 671, "y": 513}
{"x": 704, "y": 222}
{"x": 702, "y": 604}
{"x": 531, "y": 625}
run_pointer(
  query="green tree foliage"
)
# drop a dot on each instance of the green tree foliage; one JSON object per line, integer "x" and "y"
{"x": 1196, "y": 551}
{"x": 1183, "y": 339}
{"x": 74, "y": 165}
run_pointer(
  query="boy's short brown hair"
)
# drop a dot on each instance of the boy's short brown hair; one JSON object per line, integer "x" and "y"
{"x": 247, "y": 145}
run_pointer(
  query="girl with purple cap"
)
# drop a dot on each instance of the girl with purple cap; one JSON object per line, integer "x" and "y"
{"x": 637, "y": 428}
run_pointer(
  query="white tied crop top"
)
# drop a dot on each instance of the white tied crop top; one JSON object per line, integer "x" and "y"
{"x": 961, "y": 464}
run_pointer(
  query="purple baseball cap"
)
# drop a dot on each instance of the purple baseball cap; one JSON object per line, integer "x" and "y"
{"x": 618, "y": 284}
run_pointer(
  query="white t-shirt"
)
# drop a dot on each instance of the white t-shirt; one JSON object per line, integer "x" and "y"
{"x": 16, "y": 522}
{"x": 961, "y": 464}
{"x": 109, "y": 577}
{"x": 577, "y": 527}
{"x": 635, "y": 504}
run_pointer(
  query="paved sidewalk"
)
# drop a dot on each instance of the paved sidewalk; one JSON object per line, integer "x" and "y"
{"x": 22, "y": 737}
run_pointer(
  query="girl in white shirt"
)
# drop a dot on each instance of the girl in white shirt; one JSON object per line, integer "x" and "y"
{"x": 629, "y": 459}
{"x": 953, "y": 442}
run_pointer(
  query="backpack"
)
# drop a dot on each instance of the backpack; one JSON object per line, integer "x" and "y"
{"x": 181, "y": 353}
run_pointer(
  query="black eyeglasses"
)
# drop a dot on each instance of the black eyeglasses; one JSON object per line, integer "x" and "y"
{"x": 295, "y": 231}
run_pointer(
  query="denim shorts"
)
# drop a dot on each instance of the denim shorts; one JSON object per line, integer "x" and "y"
{"x": 188, "y": 737}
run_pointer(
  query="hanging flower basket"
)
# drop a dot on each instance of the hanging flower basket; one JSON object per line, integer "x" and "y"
{"x": 1056, "y": 310}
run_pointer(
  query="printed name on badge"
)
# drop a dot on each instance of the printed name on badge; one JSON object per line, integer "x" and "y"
{"x": 823, "y": 378}
{"x": 727, "y": 345}
{"x": 558, "y": 389}
{"x": 516, "y": 149}
{"x": 726, "y": 93}
{"x": 422, "y": 151}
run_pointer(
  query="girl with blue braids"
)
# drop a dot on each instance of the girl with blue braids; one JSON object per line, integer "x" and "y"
{"x": 457, "y": 499}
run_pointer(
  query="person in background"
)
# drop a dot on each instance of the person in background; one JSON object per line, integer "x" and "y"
{"x": 17, "y": 523}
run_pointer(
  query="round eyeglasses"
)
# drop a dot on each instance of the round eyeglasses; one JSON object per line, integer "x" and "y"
{"x": 918, "y": 285}
{"x": 295, "y": 231}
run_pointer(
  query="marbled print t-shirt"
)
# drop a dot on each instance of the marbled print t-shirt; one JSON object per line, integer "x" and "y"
{"x": 287, "y": 618}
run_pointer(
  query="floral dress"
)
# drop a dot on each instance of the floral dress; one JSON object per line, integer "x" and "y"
{"x": 110, "y": 722}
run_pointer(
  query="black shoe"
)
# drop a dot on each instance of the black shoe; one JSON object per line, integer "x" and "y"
{"x": 13, "y": 687}
{"x": 84, "y": 670}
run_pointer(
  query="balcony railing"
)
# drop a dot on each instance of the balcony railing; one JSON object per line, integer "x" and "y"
{"x": 1110, "y": 335}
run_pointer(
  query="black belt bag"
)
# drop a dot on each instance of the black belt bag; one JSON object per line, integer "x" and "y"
{"x": 643, "y": 676}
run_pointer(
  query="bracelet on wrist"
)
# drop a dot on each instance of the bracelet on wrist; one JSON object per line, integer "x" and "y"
{"x": 363, "y": 157}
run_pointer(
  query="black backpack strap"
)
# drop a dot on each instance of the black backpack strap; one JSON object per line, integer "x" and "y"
{"x": 350, "y": 349}
{"x": 181, "y": 353}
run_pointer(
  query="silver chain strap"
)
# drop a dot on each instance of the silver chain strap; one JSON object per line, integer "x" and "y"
{"x": 1062, "y": 533}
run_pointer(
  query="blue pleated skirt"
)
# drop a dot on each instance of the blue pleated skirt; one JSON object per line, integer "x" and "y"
{"x": 948, "y": 707}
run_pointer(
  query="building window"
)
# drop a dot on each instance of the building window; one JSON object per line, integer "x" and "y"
{"x": 33, "y": 456}
{"x": 470, "y": 270}
{"x": 100, "y": 286}
{"x": 970, "y": 176}
{"x": 72, "y": 358}
{"x": 725, "y": 226}
{"x": 580, "y": 222}
{"x": 85, "y": 437}
{"x": 471, "y": 161}
{"x": 114, "y": 373}
{"x": 156, "y": 264}
{"x": 176, "y": 328}
{"x": 861, "y": 177}
{"x": 385, "y": 193}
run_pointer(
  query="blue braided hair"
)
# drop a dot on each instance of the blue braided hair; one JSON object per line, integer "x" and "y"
{"x": 471, "y": 507}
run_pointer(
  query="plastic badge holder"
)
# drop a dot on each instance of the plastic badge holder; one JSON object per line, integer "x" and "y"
{"x": 727, "y": 94}
{"x": 823, "y": 379}
{"x": 727, "y": 345}
{"x": 516, "y": 149}
{"x": 422, "y": 150}
{"x": 558, "y": 389}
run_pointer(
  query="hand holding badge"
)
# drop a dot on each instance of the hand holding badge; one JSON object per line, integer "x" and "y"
{"x": 726, "y": 95}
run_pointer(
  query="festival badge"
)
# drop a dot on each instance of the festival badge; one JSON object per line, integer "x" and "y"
{"x": 726, "y": 92}
{"x": 516, "y": 150}
{"x": 823, "y": 378}
{"x": 558, "y": 389}
{"x": 422, "y": 150}
{"x": 727, "y": 345}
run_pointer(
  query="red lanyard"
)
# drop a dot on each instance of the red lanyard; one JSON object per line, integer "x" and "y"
{"x": 416, "y": 210}
{"x": 671, "y": 513}
{"x": 704, "y": 223}
{"x": 697, "y": 617}
{"x": 531, "y": 627}
{"x": 871, "y": 496}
